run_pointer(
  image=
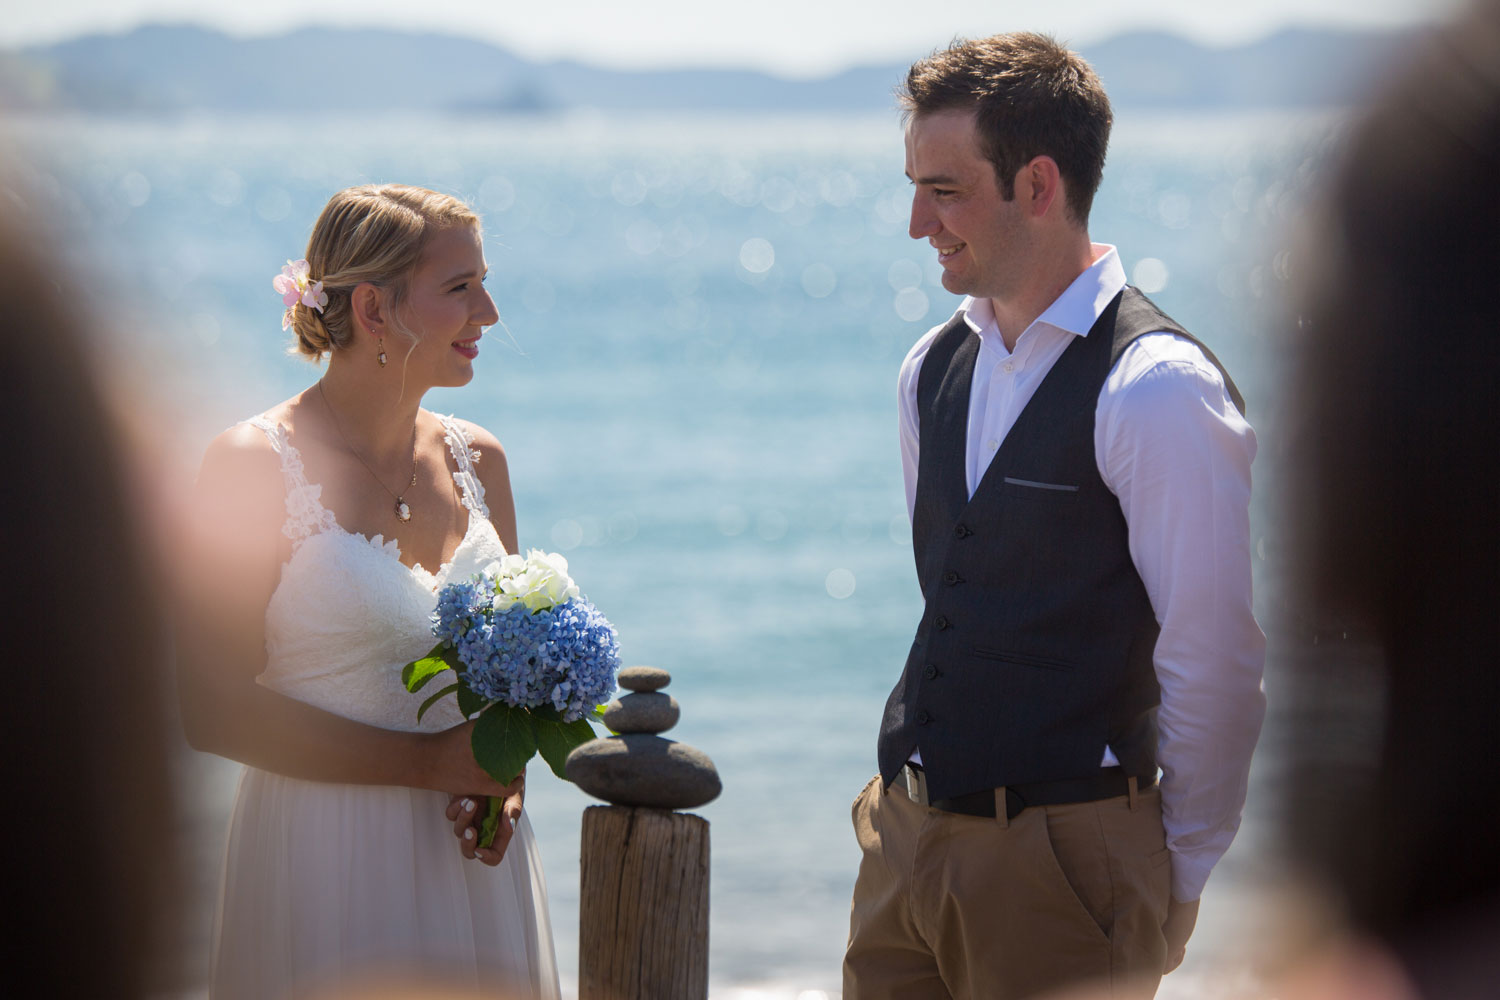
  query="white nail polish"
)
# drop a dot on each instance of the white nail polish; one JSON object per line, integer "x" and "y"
{"x": 468, "y": 834}
{"x": 468, "y": 805}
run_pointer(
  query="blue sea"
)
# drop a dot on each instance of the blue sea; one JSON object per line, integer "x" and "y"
{"x": 702, "y": 322}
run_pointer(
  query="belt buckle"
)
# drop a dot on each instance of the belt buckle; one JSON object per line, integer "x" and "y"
{"x": 916, "y": 784}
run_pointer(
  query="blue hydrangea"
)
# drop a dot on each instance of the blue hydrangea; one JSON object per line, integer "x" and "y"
{"x": 564, "y": 657}
{"x": 453, "y": 617}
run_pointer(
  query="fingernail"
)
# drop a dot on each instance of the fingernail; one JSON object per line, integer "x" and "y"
{"x": 468, "y": 834}
{"x": 468, "y": 805}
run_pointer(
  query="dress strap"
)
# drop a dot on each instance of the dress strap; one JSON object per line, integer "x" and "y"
{"x": 305, "y": 513}
{"x": 461, "y": 446}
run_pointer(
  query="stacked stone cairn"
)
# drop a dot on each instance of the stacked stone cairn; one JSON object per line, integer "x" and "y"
{"x": 638, "y": 767}
{"x": 643, "y": 879}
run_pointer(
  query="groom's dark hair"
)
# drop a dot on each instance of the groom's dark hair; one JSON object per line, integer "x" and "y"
{"x": 1031, "y": 97}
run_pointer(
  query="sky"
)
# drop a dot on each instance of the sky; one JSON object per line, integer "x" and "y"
{"x": 797, "y": 38}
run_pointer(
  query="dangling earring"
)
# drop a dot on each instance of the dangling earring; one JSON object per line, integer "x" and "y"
{"x": 380, "y": 346}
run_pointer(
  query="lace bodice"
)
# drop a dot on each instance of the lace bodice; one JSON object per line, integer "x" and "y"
{"x": 347, "y": 614}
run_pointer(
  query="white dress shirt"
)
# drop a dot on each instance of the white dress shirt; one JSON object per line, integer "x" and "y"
{"x": 1172, "y": 447}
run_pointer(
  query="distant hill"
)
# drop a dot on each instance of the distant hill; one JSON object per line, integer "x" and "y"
{"x": 170, "y": 69}
{"x": 1292, "y": 69}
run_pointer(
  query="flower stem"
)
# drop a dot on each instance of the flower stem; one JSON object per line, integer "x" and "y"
{"x": 491, "y": 824}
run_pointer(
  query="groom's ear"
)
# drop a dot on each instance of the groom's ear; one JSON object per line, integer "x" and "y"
{"x": 368, "y": 305}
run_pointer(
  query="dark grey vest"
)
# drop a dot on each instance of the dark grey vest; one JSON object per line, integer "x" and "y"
{"x": 1034, "y": 650}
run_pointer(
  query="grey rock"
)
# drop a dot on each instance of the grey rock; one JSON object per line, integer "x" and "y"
{"x": 644, "y": 678}
{"x": 639, "y": 769}
{"x": 648, "y": 712}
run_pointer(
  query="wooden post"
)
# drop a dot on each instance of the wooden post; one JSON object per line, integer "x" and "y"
{"x": 643, "y": 931}
{"x": 643, "y": 918}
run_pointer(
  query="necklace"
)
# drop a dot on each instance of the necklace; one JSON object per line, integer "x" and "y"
{"x": 402, "y": 508}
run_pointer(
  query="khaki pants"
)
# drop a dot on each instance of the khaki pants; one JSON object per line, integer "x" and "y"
{"x": 967, "y": 907}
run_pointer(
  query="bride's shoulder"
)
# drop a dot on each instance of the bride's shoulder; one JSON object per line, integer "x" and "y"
{"x": 465, "y": 432}
{"x": 239, "y": 499}
{"x": 487, "y": 452}
{"x": 251, "y": 443}
{"x": 255, "y": 441}
{"x": 478, "y": 438}
{"x": 245, "y": 461}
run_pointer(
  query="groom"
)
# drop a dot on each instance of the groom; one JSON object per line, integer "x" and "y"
{"x": 1078, "y": 478}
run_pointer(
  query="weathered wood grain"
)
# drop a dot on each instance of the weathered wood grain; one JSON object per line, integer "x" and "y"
{"x": 643, "y": 924}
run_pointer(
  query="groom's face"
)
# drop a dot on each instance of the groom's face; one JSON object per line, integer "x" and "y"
{"x": 956, "y": 206}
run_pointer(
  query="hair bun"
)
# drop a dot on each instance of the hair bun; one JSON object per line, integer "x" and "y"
{"x": 313, "y": 338}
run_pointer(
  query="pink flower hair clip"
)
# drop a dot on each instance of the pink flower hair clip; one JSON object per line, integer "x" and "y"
{"x": 293, "y": 285}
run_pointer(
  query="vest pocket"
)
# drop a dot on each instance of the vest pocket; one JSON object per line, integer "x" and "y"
{"x": 1033, "y": 484}
{"x": 1025, "y": 659}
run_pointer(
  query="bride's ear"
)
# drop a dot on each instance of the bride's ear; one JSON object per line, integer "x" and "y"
{"x": 368, "y": 305}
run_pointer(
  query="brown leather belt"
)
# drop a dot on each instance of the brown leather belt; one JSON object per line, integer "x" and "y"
{"x": 1107, "y": 784}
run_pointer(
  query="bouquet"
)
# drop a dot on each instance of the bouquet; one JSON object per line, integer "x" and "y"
{"x": 531, "y": 658}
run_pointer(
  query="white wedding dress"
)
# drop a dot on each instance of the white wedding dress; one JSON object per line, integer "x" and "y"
{"x": 325, "y": 883}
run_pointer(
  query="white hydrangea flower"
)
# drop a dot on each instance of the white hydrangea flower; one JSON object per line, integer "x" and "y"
{"x": 552, "y": 570}
{"x": 538, "y": 581}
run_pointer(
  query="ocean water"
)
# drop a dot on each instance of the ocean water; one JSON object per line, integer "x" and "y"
{"x": 703, "y": 319}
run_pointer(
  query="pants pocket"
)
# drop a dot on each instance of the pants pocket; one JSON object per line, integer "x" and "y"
{"x": 1081, "y": 859}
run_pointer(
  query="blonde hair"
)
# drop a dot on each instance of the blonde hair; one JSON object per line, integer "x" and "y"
{"x": 371, "y": 233}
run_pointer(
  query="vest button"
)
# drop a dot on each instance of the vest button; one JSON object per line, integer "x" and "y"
{"x": 922, "y": 717}
{"x": 962, "y": 531}
{"x": 941, "y": 623}
{"x": 951, "y": 578}
{"x": 930, "y": 671}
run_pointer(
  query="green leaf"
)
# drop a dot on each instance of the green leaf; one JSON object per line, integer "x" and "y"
{"x": 503, "y": 741}
{"x": 468, "y": 701}
{"x": 597, "y": 715}
{"x": 417, "y": 673}
{"x": 491, "y": 823}
{"x": 555, "y": 739}
{"x": 433, "y": 700}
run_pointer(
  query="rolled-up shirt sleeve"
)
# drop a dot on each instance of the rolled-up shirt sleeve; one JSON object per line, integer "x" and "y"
{"x": 1176, "y": 452}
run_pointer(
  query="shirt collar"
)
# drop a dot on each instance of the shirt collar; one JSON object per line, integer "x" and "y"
{"x": 1075, "y": 311}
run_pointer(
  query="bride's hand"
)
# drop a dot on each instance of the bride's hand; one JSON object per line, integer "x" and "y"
{"x": 450, "y": 765}
{"x": 467, "y": 813}
{"x": 452, "y": 769}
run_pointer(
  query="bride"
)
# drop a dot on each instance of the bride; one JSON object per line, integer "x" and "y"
{"x": 321, "y": 530}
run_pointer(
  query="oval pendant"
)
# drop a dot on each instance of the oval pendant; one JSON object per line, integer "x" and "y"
{"x": 403, "y": 512}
